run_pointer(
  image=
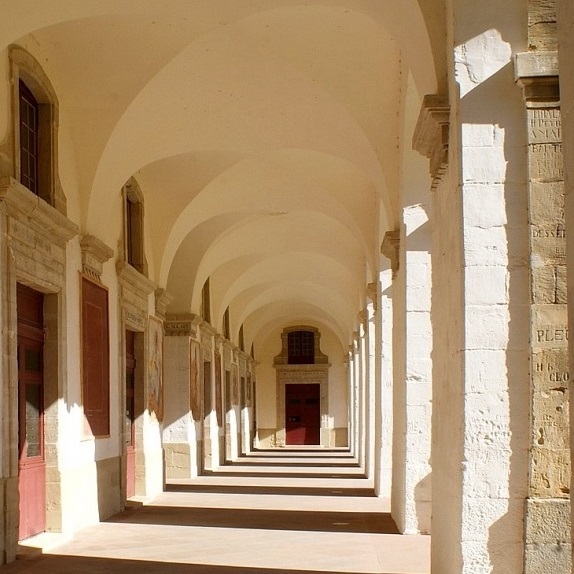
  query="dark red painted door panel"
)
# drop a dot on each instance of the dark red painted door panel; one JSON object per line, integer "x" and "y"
{"x": 31, "y": 463}
{"x": 130, "y": 415}
{"x": 303, "y": 414}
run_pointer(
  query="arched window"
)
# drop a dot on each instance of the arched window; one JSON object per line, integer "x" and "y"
{"x": 35, "y": 129}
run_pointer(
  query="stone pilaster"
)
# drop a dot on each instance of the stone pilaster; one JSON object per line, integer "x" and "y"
{"x": 547, "y": 532}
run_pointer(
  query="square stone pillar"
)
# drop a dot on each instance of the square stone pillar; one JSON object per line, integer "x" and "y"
{"x": 383, "y": 384}
{"x": 410, "y": 251}
{"x": 182, "y": 399}
{"x": 480, "y": 299}
{"x": 370, "y": 315}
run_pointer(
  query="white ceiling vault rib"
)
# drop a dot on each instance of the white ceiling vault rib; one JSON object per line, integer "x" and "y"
{"x": 263, "y": 134}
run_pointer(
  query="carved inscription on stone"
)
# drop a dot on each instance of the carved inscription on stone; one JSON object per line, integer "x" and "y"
{"x": 546, "y": 162}
{"x": 544, "y": 126}
{"x": 549, "y": 326}
{"x": 550, "y": 369}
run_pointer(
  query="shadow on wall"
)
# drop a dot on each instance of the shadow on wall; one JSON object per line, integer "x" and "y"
{"x": 423, "y": 499}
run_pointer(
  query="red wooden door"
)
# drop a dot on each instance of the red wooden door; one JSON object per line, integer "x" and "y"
{"x": 303, "y": 414}
{"x": 31, "y": 463}
{"x": 130, "y": 415}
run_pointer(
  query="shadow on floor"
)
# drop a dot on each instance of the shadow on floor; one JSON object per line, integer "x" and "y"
{"x": 247, "y": 462}
{"x": 310, "y": 521}
{"x": 49, "y": 564}
{"x": 286, "y": 474}
{"x": 282, "y": 490}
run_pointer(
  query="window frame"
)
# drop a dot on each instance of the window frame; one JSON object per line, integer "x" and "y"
{"x": 26, "y": 69}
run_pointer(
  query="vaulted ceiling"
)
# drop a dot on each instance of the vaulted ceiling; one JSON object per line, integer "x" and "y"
{"x": 266, "y": 135}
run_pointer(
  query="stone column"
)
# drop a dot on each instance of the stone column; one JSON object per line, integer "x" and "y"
{"x": 548, "y": 506}
{"x": 182, "y": 421}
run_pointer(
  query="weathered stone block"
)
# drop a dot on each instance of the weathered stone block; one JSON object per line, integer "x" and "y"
{"x": 547, "y": 521}
{"x": 561, "y": 285}
{"x": 544, "y": 284}
{"x": 546, "y": 163}
{"x": 550, "y": 419}
{"x": 542, "y": 34}
{"x": 546, "y": 202}
{"x": 550, "y": 369}
{"x": 545, "y": 558}
{"x": 550, "y": 472}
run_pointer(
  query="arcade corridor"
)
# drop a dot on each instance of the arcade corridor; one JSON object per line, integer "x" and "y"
{"x": 285, "y": 512}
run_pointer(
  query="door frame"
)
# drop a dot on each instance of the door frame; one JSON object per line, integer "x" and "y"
{"x": 30, "y": 334}
{"x": 303, "y": 374}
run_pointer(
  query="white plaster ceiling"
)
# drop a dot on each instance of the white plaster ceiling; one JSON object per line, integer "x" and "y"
{"x": 265, "y": 135}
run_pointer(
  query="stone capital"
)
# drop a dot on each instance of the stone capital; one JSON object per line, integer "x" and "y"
{"x": 390, "y": 249}
{"x": 373, "y": 293}
{"x": 181, "y": 325}
{"x": 431, "y": 135}
{"x": 537, "y": 74}
{"x": 94, "y": 254}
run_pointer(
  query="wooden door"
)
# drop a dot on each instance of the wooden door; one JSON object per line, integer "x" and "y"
{"x": 130, "y": 415}
{"x": 303, "y": 414}
{"x": 31, "y": 462}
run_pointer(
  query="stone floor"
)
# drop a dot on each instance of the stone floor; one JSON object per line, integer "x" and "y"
{"x": 277, "y": 512}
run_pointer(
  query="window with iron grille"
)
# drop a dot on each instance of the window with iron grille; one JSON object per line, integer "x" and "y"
{"x": 301, "y": 347}
{"x": 29, "y": 112}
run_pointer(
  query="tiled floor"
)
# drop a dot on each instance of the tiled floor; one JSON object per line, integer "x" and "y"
{"x": 272, "y": 512}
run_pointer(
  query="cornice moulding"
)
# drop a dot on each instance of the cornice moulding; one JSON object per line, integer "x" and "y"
{"x": 132, "y": 279}
{"x": 31, "y": 210}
